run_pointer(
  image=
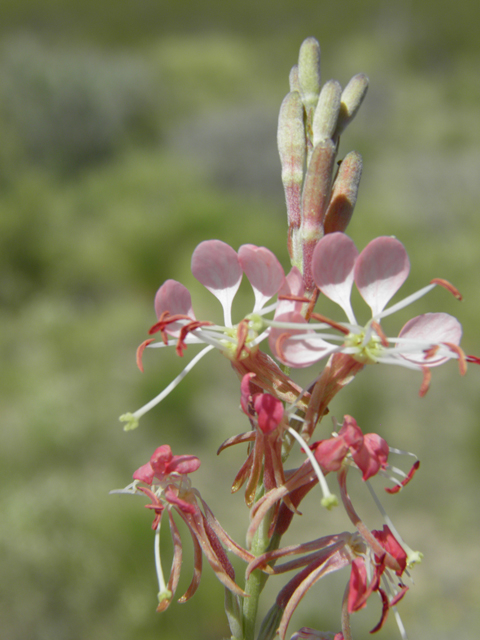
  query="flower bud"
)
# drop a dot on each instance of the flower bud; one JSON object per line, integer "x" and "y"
{"x": 293, "y": 79}
{"x": 326, "y": 113}
{"x": 352, "y": 98}
{"x": 344, "y": 195}
{"x": 309, "y": 73}
{"x": 292, "y": 150}
{"x": 316, "y": 195}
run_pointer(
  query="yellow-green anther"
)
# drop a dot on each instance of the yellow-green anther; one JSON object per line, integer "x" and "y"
{"x": 326, "y": 112}
{"x": 309, "y": 73}
{"x": 352, "y": 98}
{"x": 344, "y": 193}
{"x": 292, "y": 149}
{"x": 293, "y": 79}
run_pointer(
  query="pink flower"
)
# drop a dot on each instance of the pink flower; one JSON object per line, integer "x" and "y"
{"x": 367, "y": 571}
{"x": 220, "y": 269}
{"x": 163, "y": 463}
{"x": 370, "y": 559}
{"x": 369, "y": 451}
{"x": 169, "y": 490}
{"x": 378, "y": 272}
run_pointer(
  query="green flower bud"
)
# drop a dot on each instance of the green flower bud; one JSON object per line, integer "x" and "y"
{"x": 352, "y": 98}
{"x": 326, "y": 113}
{"x": 309, "y": 73}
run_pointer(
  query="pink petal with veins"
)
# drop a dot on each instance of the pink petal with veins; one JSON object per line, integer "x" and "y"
{"x": 380, "y": 271}
{"x": 263, "y": 270}
{"x": 294, "y": 352}
{"x": 176, "y": 299}
{"x": 333, "y": 264}
{"x": 216, "y": 265}
{"x": 434, "y": 328}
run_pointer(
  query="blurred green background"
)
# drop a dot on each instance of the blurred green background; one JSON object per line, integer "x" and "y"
{"x": 130, "y": 131}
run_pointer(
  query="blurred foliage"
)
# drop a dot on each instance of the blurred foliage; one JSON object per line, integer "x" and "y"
{"x": 132, "y": 131}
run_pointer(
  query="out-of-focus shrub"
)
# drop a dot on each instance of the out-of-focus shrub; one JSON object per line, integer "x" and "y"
{"x": 68, "y": 107}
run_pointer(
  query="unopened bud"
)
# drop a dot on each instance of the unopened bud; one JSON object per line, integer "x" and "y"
{"x": 344, "y": 194}
{"x": 317, "y": 186}
{"x": 292, "y": 150}
{"x": 316, "y": 195}
{"x": 293, "y": 79}
{"x": 309, "y": 73}
{"x": 326, "y": 112}
{"x": 352, "y": 98}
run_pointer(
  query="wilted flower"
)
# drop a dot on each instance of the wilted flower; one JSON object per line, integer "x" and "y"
{"x": 169, "y": 489}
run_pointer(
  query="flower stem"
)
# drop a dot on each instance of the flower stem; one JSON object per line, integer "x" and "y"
{"x": 256, "y": 580}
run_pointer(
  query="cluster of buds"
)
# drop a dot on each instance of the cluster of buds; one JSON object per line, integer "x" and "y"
{"x": 287, "y": 315}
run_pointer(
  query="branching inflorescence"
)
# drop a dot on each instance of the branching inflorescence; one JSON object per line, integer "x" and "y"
{"x": 287, "y": 316}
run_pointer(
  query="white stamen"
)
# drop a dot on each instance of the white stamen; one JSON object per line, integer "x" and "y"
{"x": 329, "y": 499}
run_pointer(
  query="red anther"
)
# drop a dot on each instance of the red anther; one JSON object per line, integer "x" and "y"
{"x": 140, "y": 351}
{"x": 462, "y": 359}
{"x": 379, "y": 331}
{"x": 448, "y": 286}
{"x": 427, "y": 376}
{"x": 185, "y": 330}
{"x": 332, "y": 323}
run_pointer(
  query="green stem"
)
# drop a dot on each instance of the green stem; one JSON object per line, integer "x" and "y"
{"x": 256, "y": 581}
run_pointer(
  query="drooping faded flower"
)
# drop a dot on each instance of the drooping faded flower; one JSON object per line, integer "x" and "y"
{"x": 164, "y": 480}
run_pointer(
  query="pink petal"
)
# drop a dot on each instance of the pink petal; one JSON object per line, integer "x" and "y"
{"x": 394, "y": 548}
{"x": 216, "y": 265}
{"x": 269, "y": 411}
{"x": 145, "y": 473}
{"x": 371, "y": 456}
{"x": 433, "y": 328}
{"x": 184, "y": 464}
{"x": 294, "y": 352}
{"x": 176, "y": 299}
{"x": 160, "y": 460}
{"x": 380, "y": 271}
{"x": 330, "y": 453}
{"x": 292, "y": 286}
{"x": 333, "y": 263}
{"x": 263, "y": 270}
